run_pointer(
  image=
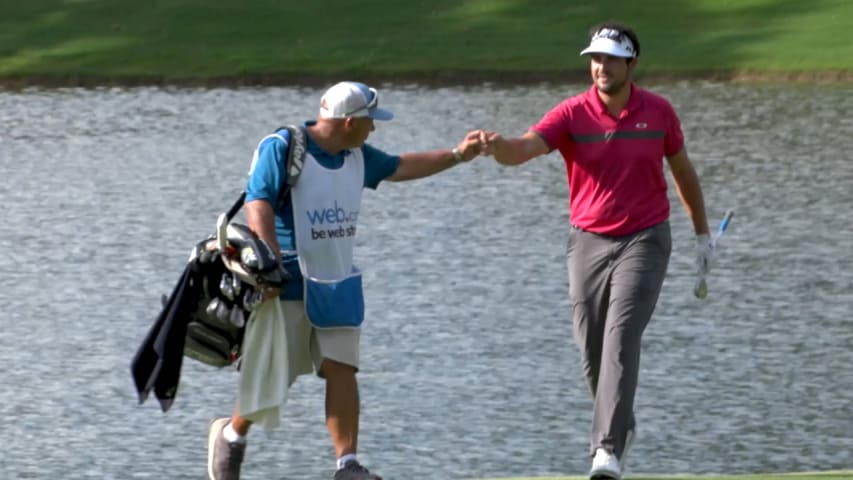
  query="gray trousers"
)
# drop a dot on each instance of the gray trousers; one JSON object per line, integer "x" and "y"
{"x": 614, "y": 283}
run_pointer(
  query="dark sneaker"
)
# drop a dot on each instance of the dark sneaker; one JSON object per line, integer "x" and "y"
{"x": 354, "y": 471}
{"x": 223, "y": 457}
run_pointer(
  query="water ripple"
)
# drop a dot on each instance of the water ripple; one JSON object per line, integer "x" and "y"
{"x": 468, "y": 361}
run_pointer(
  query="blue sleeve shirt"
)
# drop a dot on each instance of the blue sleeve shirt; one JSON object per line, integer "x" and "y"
{"x": 267, "y": 174}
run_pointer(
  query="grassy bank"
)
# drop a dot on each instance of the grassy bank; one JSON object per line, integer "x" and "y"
{"x": 270, "y": 41}
{"x": 800, "y": 476}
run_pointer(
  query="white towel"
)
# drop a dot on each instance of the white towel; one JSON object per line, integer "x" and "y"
{"x": 263, "y": 368}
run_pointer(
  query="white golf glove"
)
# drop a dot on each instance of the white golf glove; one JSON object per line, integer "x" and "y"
{"x": 704, "y": 253}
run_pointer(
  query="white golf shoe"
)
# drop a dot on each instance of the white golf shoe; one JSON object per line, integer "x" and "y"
{"x": 605, "y": 466}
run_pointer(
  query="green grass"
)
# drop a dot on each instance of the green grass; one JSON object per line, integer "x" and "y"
{"x": 787, "y": 476}
{"x": 184, "y": 39}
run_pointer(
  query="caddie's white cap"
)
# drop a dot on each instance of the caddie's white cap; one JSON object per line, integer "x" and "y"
{"x": 352, "y": 99}
{"x": 611, "y": 42}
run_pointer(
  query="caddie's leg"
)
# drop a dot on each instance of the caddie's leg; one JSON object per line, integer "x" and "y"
{"x": 240, "y": 424}
{"x": 342, "y": 406}
{"x": 299, "y": 353}
{"x": 336, "y": 357}
{"x": 636, "y": 282}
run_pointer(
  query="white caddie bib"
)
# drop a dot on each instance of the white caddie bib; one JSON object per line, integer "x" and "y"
{"x": 326, "y": 204}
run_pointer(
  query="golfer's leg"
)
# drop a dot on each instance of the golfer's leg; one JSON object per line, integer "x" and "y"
{"x": 635, "y": 285}
{"x": 588, "y": 260}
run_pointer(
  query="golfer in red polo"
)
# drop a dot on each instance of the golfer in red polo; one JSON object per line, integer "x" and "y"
{"x": 613, "y": 139}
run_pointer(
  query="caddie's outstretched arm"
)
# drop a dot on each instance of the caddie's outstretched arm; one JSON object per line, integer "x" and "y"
{"x": 423, "y": 164}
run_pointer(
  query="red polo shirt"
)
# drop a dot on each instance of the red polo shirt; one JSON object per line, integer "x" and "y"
{"x": 614, "y": 165}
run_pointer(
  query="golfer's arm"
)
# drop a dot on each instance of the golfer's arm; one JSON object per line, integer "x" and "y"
{"x": 517, "y": 150}
{"x": 689, "y": 190}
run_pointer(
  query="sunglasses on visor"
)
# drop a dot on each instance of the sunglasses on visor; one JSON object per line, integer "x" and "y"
{"x": 371, "y": 104}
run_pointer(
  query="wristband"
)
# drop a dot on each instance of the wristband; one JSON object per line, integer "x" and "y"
{"x": 457, "y": 155}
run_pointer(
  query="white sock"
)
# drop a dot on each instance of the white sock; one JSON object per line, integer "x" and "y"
{"x": 346, "y": 458}
{"x": 232, "y": 436}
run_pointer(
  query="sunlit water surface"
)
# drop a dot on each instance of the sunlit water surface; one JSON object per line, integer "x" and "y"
{"x": 469, "y": 369}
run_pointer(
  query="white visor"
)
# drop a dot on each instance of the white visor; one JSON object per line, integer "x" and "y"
{"x": 611, "y": 42}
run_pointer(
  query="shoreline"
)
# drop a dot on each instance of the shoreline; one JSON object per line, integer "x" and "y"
{"x": 425, "y": 79}
{"x": 834, "y": 475}
{"x": 820, "y": 475}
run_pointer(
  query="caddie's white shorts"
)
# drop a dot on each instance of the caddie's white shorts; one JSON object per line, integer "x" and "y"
{"x": 307, "y": 345}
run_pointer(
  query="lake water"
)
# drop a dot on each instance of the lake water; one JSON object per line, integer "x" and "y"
{"x": 468, "y": 369}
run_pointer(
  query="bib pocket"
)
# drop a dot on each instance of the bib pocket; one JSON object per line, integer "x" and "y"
{"x": 335, "y": 303}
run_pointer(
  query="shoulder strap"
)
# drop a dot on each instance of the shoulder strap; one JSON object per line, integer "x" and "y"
{"x": 295, "y": 160}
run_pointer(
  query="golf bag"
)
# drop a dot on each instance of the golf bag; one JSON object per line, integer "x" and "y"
{"x": 231, "y": 269}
